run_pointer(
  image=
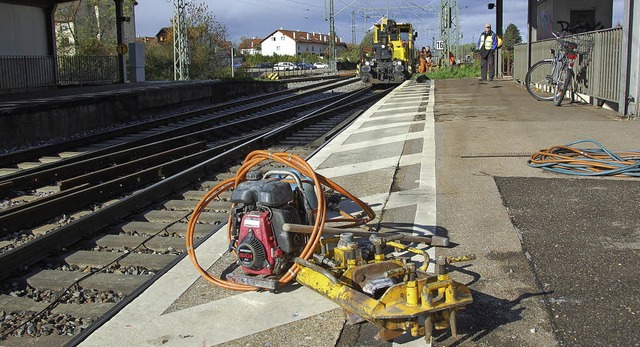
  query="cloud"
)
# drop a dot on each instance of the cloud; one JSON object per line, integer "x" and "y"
{"x": 258, "y": 18}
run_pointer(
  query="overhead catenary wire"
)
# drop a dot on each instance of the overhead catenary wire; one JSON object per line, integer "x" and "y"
{"x": 297, "y": 163}
{"x": 568, "y": 159}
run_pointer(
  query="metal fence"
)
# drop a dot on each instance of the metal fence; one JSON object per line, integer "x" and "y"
{"x": 598, "y": 68}
{"x": 28, "y": 72}
{"x": 24, "y": 72}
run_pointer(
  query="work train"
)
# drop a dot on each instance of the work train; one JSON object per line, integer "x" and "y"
{"x": 393, "y": 57}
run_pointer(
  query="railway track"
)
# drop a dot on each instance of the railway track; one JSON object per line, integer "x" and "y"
{"x": 118, "y": 226}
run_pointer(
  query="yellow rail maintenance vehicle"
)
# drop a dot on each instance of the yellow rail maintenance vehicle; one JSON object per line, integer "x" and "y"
{"x": 393, "y": 57}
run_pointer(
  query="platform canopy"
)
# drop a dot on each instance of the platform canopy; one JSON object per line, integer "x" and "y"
{"x": 38, "y": 3}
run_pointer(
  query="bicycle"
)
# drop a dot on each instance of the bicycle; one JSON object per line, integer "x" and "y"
{"x": 550, "y": 78}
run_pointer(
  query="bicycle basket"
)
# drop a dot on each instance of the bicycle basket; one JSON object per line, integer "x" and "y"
{"x": 580, "y": 44}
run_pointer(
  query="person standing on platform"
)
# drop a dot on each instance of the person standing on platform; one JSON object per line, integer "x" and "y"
{"x": 428, "y": 56}
{"x": 487, "y": 45}
{"x": 423, "y": 60}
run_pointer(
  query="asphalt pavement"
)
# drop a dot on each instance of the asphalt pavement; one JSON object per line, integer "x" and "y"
{"x": 557, "y": 255}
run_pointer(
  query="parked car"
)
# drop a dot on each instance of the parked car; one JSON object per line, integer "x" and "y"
{"x": 264, "y": 65}
{"x": 320, "y": 65}
{"x": 305, "y": 66}
{"x": 284, "y": 66}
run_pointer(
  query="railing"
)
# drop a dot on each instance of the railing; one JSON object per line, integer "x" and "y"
{"x": 597, "y": 71}
{"x": 24, "y": 72}
{"x": 28, "y": 72}
{"x": 87, "y": 70}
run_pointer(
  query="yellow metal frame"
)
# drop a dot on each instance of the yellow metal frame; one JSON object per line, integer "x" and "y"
{"x": 397, "y": 310}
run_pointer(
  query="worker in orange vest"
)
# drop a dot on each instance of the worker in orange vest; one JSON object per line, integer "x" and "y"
{"x": 425, "y": 59}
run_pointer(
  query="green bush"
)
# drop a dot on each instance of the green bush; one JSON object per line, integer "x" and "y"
{"x": 456, "y": 71}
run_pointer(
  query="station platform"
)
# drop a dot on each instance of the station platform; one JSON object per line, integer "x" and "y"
{"x": 30, "y": 119}
{"x": 555, "y": 253}
{"x": 386, "y": 157}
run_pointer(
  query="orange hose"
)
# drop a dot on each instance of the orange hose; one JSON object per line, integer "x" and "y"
{"x": 297, "y": 163}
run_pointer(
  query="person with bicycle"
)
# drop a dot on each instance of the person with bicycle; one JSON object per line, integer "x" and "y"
{"x": 487, "y": 45}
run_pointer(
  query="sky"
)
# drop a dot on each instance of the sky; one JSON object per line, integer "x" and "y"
{"x": 259, "y": 18}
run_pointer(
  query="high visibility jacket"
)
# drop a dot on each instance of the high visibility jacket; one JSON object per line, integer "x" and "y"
{"x": 488, "y": 41}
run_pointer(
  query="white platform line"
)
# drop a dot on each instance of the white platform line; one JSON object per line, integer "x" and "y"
{"x": 377, "y": 142}
{"x": 141, "y": 321}
{"x": 426, "y": 207}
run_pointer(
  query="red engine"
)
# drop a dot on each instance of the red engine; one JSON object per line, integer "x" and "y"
{"x": 258, "y": 250}
{"x": 263, "y": 207}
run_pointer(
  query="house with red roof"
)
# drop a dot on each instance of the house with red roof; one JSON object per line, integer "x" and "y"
{"x": 250, "y": 46}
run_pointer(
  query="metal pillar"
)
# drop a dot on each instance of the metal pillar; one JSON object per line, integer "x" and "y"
{"x": 499, "y": 33}
{"x": 180, "y": 42}
{"x": 629, "y": 82}
{"x": 122, "y": 63}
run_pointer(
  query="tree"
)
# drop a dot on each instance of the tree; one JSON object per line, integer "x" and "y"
{"x": 88, "y": 27}
{"x": 158, "y": 62}
{"x": 511, "y": 37}
{"x": 209, "y": 49}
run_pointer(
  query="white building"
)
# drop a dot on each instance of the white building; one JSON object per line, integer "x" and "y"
{"x": 250, "y": 46}
{"x": 289, "y": 42}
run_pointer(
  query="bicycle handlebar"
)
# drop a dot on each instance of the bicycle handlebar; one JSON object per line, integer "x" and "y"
{"x": 566, "y": 46}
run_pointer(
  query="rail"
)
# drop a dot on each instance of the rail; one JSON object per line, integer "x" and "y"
{"x": 598, "y": 73}
{"x": 26, "y": 72}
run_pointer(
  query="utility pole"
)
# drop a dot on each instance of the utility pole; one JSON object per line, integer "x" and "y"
{"x": 449, "y": 27}
{"x": 332, "y": 37}
{"x": 180, "y": 42}
{"x": 353, "y": 27}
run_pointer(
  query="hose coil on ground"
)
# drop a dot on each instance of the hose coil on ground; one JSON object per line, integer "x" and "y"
{"x": 297, "y": 163}
{"x": 599, "y": 161}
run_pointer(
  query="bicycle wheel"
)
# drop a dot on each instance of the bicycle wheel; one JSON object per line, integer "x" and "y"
{"x": 538, "y": 80}
{"x": 561, "y": 87}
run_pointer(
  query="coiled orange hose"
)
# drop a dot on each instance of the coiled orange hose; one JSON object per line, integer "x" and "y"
{"x": 297, "y": 163}
{"x": 569, "y": 159}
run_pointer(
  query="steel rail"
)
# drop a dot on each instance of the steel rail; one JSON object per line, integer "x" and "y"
{"x": 26, "y": 254}
{"x": 21, "y": 155}
{"x": 31, "y": 214}
{"x": 25, "y": 179}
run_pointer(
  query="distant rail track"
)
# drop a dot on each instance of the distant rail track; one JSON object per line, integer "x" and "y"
{"x": 96, "y": 220}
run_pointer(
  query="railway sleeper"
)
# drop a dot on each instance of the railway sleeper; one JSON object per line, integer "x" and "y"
{"x": 84, "y": 259}
{"x": 158, "y": 244}
{"x": 185, "y": 205}
{"x": 174, "y": 216}
{"x": 136, "y": 228}
{"x": 90, "y": 310}
{"x": 197, "y": 195}
{"x": 58, "y": 280}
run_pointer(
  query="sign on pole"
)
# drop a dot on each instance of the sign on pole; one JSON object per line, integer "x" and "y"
{"x": 439, "y": 45}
